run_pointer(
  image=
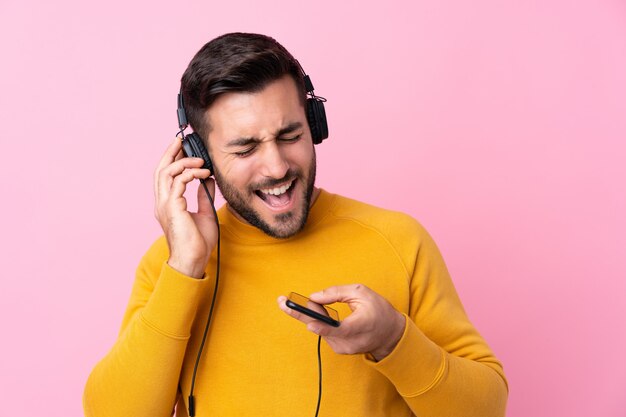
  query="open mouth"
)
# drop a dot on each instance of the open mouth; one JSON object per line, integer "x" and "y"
{"x": 277, "y": 197}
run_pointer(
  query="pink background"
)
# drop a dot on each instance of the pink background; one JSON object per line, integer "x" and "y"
{"x": 499, "y": 125}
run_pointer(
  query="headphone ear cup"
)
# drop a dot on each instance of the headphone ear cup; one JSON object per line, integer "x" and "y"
{"x": 193, "y": 146}
{"x": 316, "y": 116}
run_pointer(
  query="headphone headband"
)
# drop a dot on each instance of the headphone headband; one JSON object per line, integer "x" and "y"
{"x": 180, "y": 111}
{"x": 316, "y": 114}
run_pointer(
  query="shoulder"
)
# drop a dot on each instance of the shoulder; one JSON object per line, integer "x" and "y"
{"x": 399, "y": 232}
{"x": 402, "y": 232}
{"x": 390, "y": 223}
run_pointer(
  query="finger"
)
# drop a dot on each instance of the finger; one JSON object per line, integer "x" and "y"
{"x": 180, "y": 181}
{"x": 204, "y": 203}
{"x": 339, "y": 294}
{"x": 180, "y": 165}
{"x": 174, "y": 152}
{"x": 170, "y": 154}
{"x": 165, "y": 160}
{"x": 325, "y": 330}
{"x": 167, "y": 175}
{"x": 282, "y": 303}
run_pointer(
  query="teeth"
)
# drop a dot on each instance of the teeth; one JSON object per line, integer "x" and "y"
{"x": 278, "y": 190}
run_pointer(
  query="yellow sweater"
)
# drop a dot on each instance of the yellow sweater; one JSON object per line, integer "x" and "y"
{"x": 260, "y": 362}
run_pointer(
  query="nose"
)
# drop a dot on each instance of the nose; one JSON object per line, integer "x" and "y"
{"x": 274, "y": 162}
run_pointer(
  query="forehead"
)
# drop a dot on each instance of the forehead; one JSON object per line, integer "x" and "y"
{"x": 255, "y": 114}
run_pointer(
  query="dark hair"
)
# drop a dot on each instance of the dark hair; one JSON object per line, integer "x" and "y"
{"x": 244, "y": 62}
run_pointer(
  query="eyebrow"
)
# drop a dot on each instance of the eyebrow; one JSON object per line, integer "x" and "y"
{"x": 243, "y": 141}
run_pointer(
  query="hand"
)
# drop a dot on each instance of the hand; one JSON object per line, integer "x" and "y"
{"x": 191, "y": 237}
{"x": 374, "y": 326}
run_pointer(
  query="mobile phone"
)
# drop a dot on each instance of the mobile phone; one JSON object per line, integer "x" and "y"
{"x": 312, "y": 309}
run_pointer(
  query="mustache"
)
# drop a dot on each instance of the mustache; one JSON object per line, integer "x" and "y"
{"x": 272, "y": 182}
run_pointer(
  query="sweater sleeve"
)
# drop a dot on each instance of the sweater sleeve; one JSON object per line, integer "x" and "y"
{"x": 442, "y": 366}
{"x": 140, "y": 374}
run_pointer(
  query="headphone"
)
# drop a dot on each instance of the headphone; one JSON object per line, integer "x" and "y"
{"x": 193, "y": 145}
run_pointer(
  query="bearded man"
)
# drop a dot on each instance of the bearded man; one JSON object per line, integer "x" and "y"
{"x": 404, "y": 345}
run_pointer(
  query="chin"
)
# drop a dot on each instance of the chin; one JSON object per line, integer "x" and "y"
{"x": 284, "y": 224}
{"x": 279, "y": 208}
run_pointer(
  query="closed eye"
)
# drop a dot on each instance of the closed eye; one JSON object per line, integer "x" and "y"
{"x": 291, "y": 139}
{"x": 245, "y": 152}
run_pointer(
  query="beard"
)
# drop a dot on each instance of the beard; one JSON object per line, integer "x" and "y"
{"x": 286, "y": 224}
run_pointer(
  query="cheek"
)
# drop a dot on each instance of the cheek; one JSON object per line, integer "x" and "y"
{"x": 239, "y": 172}
{"x": 302, "y": 155}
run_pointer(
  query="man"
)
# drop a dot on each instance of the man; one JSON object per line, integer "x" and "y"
{"x": 404, "y": 346}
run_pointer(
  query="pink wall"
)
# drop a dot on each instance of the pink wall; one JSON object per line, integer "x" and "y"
{"x": 500, "y": 125}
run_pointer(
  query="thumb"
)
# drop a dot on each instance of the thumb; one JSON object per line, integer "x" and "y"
{"x": 204, "y": 203}
{"x": 339, "y": 293}
{"x": 329, "y": 295}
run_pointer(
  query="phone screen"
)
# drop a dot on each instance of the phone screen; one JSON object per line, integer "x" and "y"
{"x": 312, "y": 309}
